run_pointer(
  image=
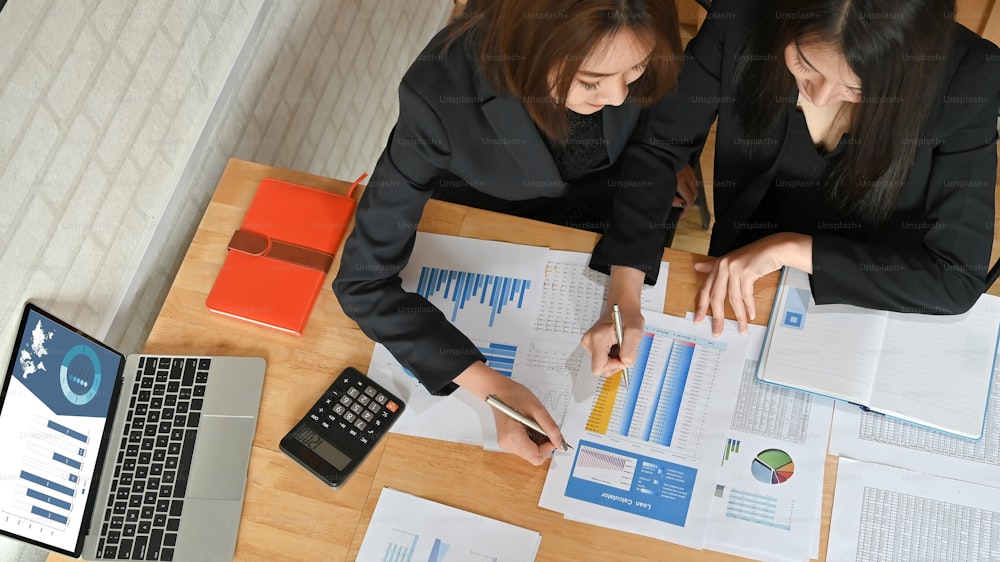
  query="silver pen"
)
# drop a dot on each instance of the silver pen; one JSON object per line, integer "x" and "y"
{"x": 616, "y": 317}
{"x": 524, "y": 420}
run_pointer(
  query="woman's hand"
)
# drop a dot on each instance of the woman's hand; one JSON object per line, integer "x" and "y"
{"x": 687, "y": 189}
{"x": 511, "y": 435}
{"x": 735, "y": 273}
{"x": 600, "y": 339}
{"x": 625, "y": 290}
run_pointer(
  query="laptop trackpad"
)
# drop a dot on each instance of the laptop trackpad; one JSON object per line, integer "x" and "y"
{"x": 221, "y": 457}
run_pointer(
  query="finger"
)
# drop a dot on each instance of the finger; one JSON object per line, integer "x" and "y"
{"x": 598, "y": 363}
{"x": 513, "y": 437}
{"x": 718, "y": 300}
{"x": 704, "y": 266}
{"x": 630, "y": 347}
{"x": 736, "y": 301}
{"x": 751, "y": 304}
{"x": 704, "y": 298}
{"x": 544, "y": 419}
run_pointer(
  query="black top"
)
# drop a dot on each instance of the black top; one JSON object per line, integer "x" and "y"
{"x": 930, "y": 255}
{"x": 584, "y": 151}
{"x": 452, "y": 124}
{"x": 798, "y": 200}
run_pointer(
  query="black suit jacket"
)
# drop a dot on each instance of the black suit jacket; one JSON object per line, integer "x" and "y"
{"x": 931, "y": 255}
{"x": 451, "y": 122}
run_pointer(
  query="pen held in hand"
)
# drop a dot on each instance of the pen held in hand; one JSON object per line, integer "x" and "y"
{"x": 616, "y": 318}
{"x": 524, "y": 420}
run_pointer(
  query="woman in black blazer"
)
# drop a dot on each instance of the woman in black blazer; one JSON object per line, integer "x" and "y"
{"x": 855, "y": 141}
{"x": 523, "y": 107}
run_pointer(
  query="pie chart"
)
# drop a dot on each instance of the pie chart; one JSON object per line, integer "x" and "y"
{"x": 772, "y": 466}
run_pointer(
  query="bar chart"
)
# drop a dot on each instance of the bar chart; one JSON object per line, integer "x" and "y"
{"x": 50, "y": 473}
{"x": 462, "y": 288}
{"x": 649, "y": 408}
{"x": 500, "y": 357}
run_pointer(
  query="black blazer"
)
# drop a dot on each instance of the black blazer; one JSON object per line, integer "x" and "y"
{"x": 451, "y": 122}
{"x": 931, "y": 255}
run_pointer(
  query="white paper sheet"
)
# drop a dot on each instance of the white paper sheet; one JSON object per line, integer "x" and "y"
{"x": 405, "y": 527}
{"x": 894, "y": 515}
{"x": 498, "y": 332}
{"x": 769, "y": 498}
{"x": 646, "y": 458}
{"x": 873, "y": 437}
{"x": 548, "y": 353}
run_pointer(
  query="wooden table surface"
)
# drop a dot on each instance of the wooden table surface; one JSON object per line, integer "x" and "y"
{"x": 290, "y": 515}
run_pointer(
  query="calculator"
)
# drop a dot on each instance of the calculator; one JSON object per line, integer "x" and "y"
{"x": 342, "y": 427}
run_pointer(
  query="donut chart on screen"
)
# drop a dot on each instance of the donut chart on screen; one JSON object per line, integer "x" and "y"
{"x": 772, "y": 466}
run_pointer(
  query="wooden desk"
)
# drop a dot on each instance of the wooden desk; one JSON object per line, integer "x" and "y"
{"x": 288, "y": 514}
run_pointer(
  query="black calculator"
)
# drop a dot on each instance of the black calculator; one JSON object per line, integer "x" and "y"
{"x": 342, "y": 427}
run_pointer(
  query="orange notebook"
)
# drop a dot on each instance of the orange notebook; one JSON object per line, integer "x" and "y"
{"x": 278, "y": 259}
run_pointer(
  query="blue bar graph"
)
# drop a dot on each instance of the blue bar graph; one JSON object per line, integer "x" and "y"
{"x": 438, "y": 550}
{"x": 660, "y": 427}
{"x": 460, "y": 287}
{"x": 66, "y": 460}
{"x": 500, "y": 357}
{"x": 653, "y": 416}
{"x": 400, "y": 553}
{"x": 47, "y": 498}
{"x": 47, "y": 483}
{"x": 35, "y": 510}
{"x": 67, "y": 431}
{"x": 637, "y": 371}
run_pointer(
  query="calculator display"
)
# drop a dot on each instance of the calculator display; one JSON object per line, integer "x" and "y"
{"x": 321, "y": 447}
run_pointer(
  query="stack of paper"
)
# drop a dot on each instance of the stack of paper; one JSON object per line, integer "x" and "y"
{"x": 537, "y": 342}
{"x": 652, "y": 459}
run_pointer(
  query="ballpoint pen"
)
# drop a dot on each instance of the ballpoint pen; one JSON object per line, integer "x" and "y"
{"x": 524, "y": 420}
{"x": 616, "y": 317}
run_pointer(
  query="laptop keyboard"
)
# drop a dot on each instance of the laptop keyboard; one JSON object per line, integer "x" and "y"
{"x": 147, "y": 492}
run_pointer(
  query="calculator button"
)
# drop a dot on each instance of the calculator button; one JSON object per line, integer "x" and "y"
{"x": 357, "y": 408}
{"x": 367, "y": 416}
{"x": 353, "y": 392}
{"x": 381, "y": 398}
{"x": 364, "y": 400}
{"x": 339, "y": 409}
{"x": 391, "y": 406}
{"x": 346, "y": 400}
{"x": 374, "y": 407}
{"x": 350, "y": 417}
{"x": 370, "y": 391}
{"x": 360, "y": 424}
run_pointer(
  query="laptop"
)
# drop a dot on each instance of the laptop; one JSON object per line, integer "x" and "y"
{"x": 109, "y": 457}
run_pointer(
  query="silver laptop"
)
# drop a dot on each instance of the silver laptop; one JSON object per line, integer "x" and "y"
{"x": 108, "y": 457}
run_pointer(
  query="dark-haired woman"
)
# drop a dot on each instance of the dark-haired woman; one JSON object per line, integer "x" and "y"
{"x": 855, "y": 141}
{"x": 523, "y": 107}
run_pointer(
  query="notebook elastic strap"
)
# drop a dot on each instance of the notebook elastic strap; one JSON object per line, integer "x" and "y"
{"x": 259, "y": 245}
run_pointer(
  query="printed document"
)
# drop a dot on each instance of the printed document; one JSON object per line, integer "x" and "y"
{"x": 647, "y": 456}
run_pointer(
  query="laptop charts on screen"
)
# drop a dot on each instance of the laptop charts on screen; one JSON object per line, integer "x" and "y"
{"x": 109, "y": 457}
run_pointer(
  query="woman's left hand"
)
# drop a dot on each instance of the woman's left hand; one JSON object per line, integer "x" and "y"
{"x": 735, "y": 273}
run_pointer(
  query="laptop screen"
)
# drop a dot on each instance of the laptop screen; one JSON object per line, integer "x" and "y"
{"x": 54, "y": 417}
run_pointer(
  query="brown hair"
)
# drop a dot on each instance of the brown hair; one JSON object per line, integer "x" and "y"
{"x": 520, "y": 43}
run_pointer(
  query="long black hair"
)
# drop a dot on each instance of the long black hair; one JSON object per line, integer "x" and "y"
{"x": 896, "y": 47}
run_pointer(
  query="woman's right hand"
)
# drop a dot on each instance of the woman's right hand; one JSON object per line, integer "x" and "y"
{"x": 513, "y": 437}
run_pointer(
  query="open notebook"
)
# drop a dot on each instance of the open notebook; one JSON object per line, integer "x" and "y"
{"x": 926, "y": 369}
